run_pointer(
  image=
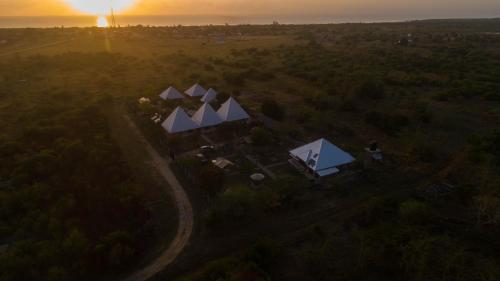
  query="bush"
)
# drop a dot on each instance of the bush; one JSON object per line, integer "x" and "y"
{"x": 263, "y": 254}
{"x": 374, "y": 118}
{"x": 348, "y": 105}
{"x": 258, "y": 75}
{"x": 260, "y": 136}
{"x": 211, "y": 179}
{"x": 234, "y": 205}
{"x": 423, "y": 114}
{"x": 234, "y": 79}
{"x": 321, "y": 101}
{"x": 389, "y": 122}
{"x": 414, "y": 211}
{"x": 371, "y": 89}
{"x": 425, "y": 152}
{"x": 272, "y": 109}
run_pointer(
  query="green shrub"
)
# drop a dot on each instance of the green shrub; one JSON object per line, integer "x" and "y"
{"x": 271, "y": 108}
{"x": 234, "y": 79}
{"x": 211, "y": 179}
{"x": 235, "y": 205}
{"x": 371, "y": 89}
{"x": 260, "y": 136}
{"x": 263, "y": 254}
{"x": 414, "y": 211}
{"x": 390, "y": 123}
{"x": 425, "y": 152}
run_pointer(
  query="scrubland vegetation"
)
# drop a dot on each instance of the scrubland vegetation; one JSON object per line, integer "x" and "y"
{"x": 431, "y": 211}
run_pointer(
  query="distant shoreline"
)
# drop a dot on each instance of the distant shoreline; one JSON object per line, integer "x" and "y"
{"x": 185, "y": 20}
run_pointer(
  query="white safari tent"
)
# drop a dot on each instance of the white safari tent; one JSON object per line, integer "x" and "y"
{"x": 206, "y": 116}
{"x": 196, "y": 91}
{"x": 209, "y": 96}
{"x": 322, "y": 157}
{"x": 179, "y": 122}
{"x": 232, "y": 111}
{"x": 171, "y": 94}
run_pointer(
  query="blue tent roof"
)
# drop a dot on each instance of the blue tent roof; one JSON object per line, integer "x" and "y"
{"x": 321, "y": 155}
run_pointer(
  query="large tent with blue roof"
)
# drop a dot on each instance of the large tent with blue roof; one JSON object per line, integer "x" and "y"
{"x": 322, "y": 157}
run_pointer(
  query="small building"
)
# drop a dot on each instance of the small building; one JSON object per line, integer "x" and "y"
{"x": 206, "y": 116}
{"x": 321, "y": 157}
{"x": 171, "y": 94}
{"x": 196, "y": 91}
{"x": 232, "y": 111}
{"x": 179, "y": 122}
{"x": 209, "y": 96}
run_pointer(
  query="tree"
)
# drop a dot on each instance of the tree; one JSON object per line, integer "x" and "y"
{"x": 211, "y": 178}
{"x": 235, "y": 205}
{"x": 260, "y": 136}
{"x": 487, "y": 209}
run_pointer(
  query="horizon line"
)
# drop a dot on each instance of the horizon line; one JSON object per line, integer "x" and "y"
{"x": 259, "y": 15}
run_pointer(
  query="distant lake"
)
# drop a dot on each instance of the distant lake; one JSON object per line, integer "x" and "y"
{"x": 84, "y": 21}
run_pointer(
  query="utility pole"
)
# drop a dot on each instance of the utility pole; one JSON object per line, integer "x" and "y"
{"x": 113, "y": 19}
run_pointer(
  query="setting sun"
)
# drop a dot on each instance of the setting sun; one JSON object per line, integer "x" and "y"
{"x": 100, "y": 7}
{"x": 102, "y": 22}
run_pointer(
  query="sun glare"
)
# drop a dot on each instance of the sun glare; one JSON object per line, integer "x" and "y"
{"x": 100, "y": 7}
{"x": 102, "y": 22}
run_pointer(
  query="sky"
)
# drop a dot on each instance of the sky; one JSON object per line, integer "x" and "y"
{"x": 358, "y": 8}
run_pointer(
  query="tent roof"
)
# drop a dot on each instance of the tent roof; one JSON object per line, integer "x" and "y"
{"x": 178, "y": 122}
{"x": 209, "y": 96}
{"x": 171, "y": 94}
{"x": 206, "y": 116}
{"x": 196, "y": 91}
{"x": 322, "y": 155}
{"x": 327, "y": 172}
{"x": 232, "y": 111}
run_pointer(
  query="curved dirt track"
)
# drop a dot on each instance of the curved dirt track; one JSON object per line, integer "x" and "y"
{"x": 184, "y": 209}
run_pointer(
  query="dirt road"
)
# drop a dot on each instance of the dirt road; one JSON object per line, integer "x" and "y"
{"x": 184, "y": 208}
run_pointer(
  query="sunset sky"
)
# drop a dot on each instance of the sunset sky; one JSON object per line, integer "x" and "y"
{"x": 395, "y": 8}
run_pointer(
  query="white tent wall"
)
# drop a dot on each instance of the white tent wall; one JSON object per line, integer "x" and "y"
{"x": 171, "y": 94}
{"x": 196, "y": 91}
{"x": 209, "y": 96}
{"x": 178, "y": 122}
{"x": 232, "y": 111}
{"x": 206, "y": 116}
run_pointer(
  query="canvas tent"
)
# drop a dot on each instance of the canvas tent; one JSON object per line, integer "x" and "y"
{"x": 206, "y": 116}
{"x": 179, "y": 122}
{"x": 209, "y": 96}
{"x": 232, "y": 111}
{"x": 171, "y": 94}
{"x": 322, "y": 157}
{"x": 196, "y": 91}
